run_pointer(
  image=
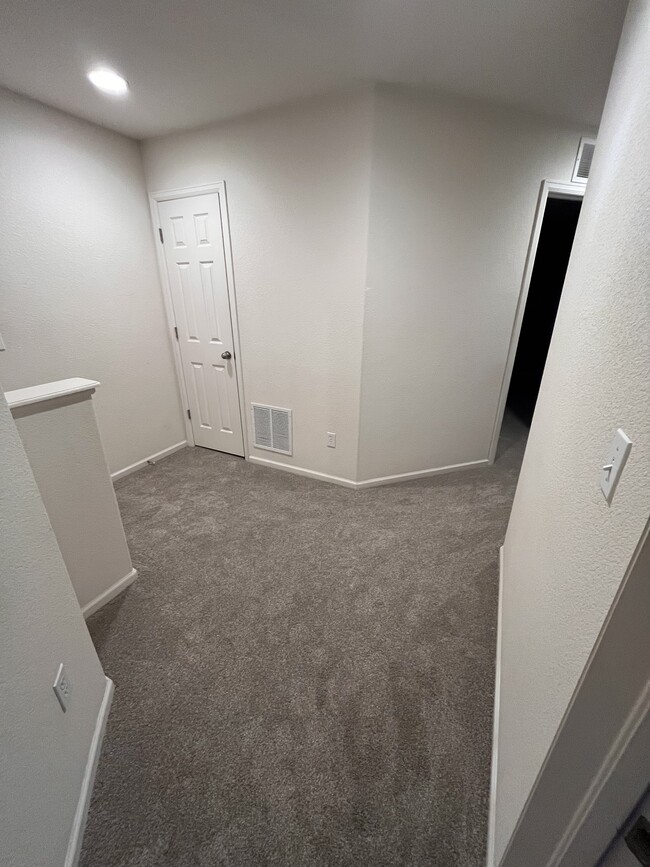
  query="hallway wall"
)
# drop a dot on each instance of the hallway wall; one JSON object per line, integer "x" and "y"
{"x": 379, "y": 240}
{"x": 297, "y": 181}
{"x": 79, "y": 285}
{"x": 44, "y": 751}
{"x": 567, "y": 549}
{"x": 454, "y": 188}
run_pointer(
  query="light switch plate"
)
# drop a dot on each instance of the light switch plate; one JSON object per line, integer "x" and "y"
{"x": 614, "y": 463}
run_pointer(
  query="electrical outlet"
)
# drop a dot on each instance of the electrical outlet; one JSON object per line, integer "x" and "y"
{"x": 62, "y": 688}
{"x": 331, "y": 440}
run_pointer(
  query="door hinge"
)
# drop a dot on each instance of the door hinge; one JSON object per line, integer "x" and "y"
{"x": 161, "y": 235}
{"x": 189, "y": 415}
{"x": 176, "y": 332}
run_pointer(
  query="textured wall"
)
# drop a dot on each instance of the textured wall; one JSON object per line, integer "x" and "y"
{"x": 44, "y": 750}
{"x": 453, "y": 196}
{"x": 80, "y": 291}
{"x": 65, "y": 453}
{"x": 297, "y": 185}
{"x": 451, "y": 202}
{"x": 566, "y": 549}
{"x": 613, "y": 685}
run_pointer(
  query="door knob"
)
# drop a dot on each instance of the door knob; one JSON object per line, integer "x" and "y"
{"x": 226, "y": 355}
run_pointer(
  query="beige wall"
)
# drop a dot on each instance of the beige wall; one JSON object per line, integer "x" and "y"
{"x": 454, "y": 187}
{"x": 378, "y": 239}
{"x": 566, "y": 549}
{"x": 432, "y": 241}
{"x": 65, "y": 453}
{"x": 44, "y": 751}
{"x": 79, "y": 286}
{"x": 613, "y": 696}
{"x": 297, "y": 185}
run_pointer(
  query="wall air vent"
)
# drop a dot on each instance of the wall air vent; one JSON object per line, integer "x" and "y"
{"x": 583, "y": 160}
{"x": 272, "y": 428}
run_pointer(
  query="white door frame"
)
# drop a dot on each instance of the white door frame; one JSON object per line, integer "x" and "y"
{"x": 548, "y": 190}
{"x": 187, "y": 192}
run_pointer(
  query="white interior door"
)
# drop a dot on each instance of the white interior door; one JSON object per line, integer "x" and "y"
{"x": 193, "y": 242}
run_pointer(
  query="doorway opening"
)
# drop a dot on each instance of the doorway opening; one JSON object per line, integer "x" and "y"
{"x": 554, "y": 229}
{"x": 549, "y": 270}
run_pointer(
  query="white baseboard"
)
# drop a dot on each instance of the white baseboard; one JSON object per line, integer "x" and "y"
{"x": 81, "y": 813}
{"x": 367, "y": 483}
{"x": 301, "y": 471}
{"x": 419, "y": 474}
{"x": 138, "y": 465}
{"x": 491, "y": 842}
{"x": 109, "y": 594}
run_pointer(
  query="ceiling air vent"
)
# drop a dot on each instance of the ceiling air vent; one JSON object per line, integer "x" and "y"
{"x": 272, "y": 428}
{"x": 583, "y": 160}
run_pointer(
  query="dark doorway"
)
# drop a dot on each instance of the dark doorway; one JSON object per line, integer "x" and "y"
{"x": 551, "y": 260}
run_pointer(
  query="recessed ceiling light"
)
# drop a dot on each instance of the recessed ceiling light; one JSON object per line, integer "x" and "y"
{"x": 108, "y": 82}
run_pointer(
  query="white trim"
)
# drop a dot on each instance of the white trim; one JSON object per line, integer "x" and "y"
{"x": 492, "y": 818}
{"x": 368, "y": 483}
{"x": 157, "y": 456}
{"x": 49, "y": 391}
{"x": 301, "y": 471}
{"x": 420, "y": 474}
{"x": 113, "y": 591}
{"x": 81, "y": 813}
{"x": 234, "y": 313}
{"x": 548, "y": 190}
{"x": 636, "y": 719}
{"x": 187, "y": 192}
{"x": 169, "y": 312}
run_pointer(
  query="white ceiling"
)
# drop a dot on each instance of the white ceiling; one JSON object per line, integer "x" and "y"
{"x": 194, "y": 61}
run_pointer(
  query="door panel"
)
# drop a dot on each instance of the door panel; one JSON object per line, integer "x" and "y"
{"x": 196, "y": 266}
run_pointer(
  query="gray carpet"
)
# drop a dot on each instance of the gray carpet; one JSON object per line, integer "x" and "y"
{"x": 304, "y": 674}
